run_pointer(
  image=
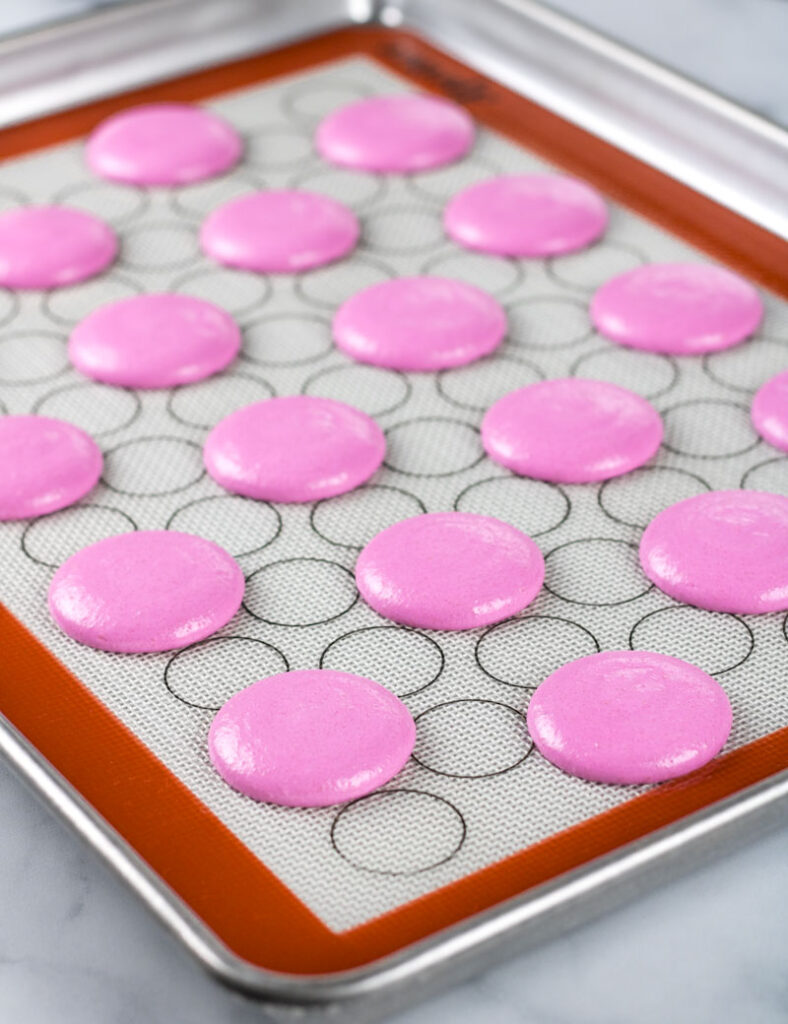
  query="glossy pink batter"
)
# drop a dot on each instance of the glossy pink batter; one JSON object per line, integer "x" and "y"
{"x": 571, "y": 431}
{"x": 154, "y": 341}
{"x": 297, "y": 448}
{"x": 45, "y": 465}
{"x": 770, "y": 411}
{"x": 396, "y": 134}
{"x": 726, "y": 551}
{"x": 419, "y": 323}
{"x": 526, "y": 215}
{"x": 52, "y": 246}
{"x": 449, "y": 570}
{"x": 629, "y": 717}
{"x": 683, "y": 309}
{"x": 311, "y": 738}
{"x": 163, "y": 144}
{"x": 280, "y": 231}
{"x": 153, "y": 590}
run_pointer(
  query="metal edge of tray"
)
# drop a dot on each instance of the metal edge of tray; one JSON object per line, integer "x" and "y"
{"x": 710, "y": 143}
{"x": 427, "y": 966}
{"x": 561, "y": 60}
{"x": 118, "y": 48}
{"x": 676, "y": 125}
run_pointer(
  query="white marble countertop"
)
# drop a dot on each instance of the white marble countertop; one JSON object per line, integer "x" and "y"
{"x": 76, "y": 947}
{"x": 735, "y": 47}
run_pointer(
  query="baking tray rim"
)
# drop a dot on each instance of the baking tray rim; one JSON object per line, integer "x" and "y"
{"x": 651, "y": 112}
{"x": 472, "y": 943}
{"x": 547, "y": 909}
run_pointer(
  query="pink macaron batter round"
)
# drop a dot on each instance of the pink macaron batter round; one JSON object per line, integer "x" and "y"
{"x": 449, "y": 570}
{"x": 151, "y": 590}
{"x": 769, "y": 411}
{"x": 280, "y": 231}
{"x": 154, "y": 341}
{"x": 681, "y": 309}
{"x": 163, "y": 144}
{"x": 311, "y": 738}
{"x": 629, "y": 717}
{"x": 45, "y": 465}
{"x": 293, "y": 449}
{"x": 395, "y": 134}
{"x": 571, "y": 430}
{"x": 726, "y": 551}
{"x": 419, "y": 323}
{"x": 45, "y": 247}
{"x": 526, "y": 215}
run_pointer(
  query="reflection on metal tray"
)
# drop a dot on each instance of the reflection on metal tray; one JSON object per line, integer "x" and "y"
{"x": 477, "y": 817}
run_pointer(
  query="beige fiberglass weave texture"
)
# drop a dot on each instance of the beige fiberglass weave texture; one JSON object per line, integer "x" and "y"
{"x": 475, "y": 790}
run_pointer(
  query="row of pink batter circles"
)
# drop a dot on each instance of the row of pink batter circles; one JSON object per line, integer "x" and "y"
{"x": 439, "y": 571}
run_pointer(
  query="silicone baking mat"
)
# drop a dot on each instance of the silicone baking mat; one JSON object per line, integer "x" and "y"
{"x": 475, "y": 791}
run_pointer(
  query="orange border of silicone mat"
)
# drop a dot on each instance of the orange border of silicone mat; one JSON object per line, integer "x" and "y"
{"x": 213, "y": 872}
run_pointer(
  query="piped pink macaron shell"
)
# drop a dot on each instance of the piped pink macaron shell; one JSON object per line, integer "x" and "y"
{"x": 629, "y": 717}
{"x": 449, "y": 570}
{"x": 571, "y": 430}
{"x": 526, "y": 215}
{"x": 52, "y": 246}
{"x": 681, "y": 309}
{"x": 163, "y": 144}
{"x": 154, "y": 341}
{"x": 45, "y": 465}
{"x": 292, "y": 449}
{"x": 153, "y": 590}
{"x": 280, "y": 231}
{"x": 726, "y": 551}
{"x": 396, "y": 134}
{"x": 311, "y": 738}
{"x": 769, "y": 411}
{"x": 419, "y": 323}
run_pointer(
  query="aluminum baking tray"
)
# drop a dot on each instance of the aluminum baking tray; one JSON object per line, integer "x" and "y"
{"x": 542, "y": 88}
